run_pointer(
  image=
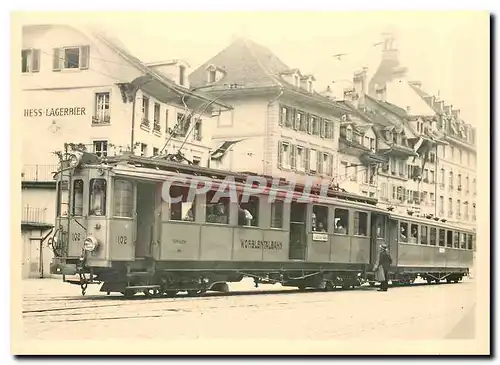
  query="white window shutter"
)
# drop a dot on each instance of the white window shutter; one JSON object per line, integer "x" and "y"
{"x": 56, "y": 59}
{"x": 84, "y": 57}
{"x": 307, "y": 158}
{"x": 293, "y": 151}
{"x": 35, "y": 60}
{"x": 280, "y": 154}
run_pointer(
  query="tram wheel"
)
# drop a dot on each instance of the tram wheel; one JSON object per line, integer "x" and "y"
{"x": 128, "y": 293}
{"x": 171, "y": 293}
{"x": 152, "y": 293}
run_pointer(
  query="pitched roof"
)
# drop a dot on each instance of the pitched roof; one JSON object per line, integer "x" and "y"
{"x": 117, "y": 46}
{"x": 251, "y": 65}
{"x": 245, "y": 62}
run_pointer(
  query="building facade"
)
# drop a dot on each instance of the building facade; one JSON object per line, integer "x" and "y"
{"x": 444, "y": 172}
{"x": 79, "y": 86}
{"x": 279, "y": 125}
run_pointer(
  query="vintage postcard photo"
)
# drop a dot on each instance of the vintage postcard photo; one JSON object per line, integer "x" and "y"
{"x": 250, "y": 183}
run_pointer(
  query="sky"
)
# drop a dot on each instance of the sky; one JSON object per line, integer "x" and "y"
{"x": 447, "y": 52}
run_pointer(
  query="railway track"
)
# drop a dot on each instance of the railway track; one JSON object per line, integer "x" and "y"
{"x": 103, "y": 307}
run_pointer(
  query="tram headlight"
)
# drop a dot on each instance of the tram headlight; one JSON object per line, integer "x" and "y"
{"x": 75, "y": 158}
{"x": 90, "y": 244}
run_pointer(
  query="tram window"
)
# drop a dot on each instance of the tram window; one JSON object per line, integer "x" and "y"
{"x": 441, "y": 237}
{"x": 456, "y": 243}
{"x": 469, "y": 242}
{"x": 413, "y": 234}
{"x": 97, "y": 198}
{"x": 360, "y": 223}
{"x": 379, "y": 227}
{"x": 462, "y": 240}
{"x": 423, "y": 235}
{"x": 320, "y": 218}
{"x": 124, "y": 199}
{"x": 181, "y": 209}
{"x": 78, "y": 197}
{"x": 62, "y": 198}
{"x": 217, "y": 210}
{"x": 403, "y": 232}
{"x": 449, "y": 238}
{"x": 341, "y": 221}
{"x": 432, "y": 236}
{"x": 277, "y": 214}
{"x": 248, "y": 214}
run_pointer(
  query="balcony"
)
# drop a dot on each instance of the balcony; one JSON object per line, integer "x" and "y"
{"x": 35, "y": 217}
{"x": 145, "y": 123}
{"x": 101, "y": 120}
{"x": 38, "y": 173}
{"x": 157, "y": 127}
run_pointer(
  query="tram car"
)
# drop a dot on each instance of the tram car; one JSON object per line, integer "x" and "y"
{"x": 115, "y": 227}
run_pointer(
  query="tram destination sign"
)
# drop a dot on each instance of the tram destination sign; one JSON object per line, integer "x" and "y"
{"x": 55, "y": 112}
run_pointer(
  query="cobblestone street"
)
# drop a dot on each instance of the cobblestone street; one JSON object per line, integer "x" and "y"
{"x": 55, "y": 310}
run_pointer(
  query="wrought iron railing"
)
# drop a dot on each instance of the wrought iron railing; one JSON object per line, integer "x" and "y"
{"x": 38, "y": 172}
{"x": 34, "y": 215}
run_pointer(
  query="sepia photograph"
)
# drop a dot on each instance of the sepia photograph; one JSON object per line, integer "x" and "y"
{"x": 250, "y": 182}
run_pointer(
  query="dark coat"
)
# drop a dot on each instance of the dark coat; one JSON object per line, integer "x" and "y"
{"x": 385, "y": 260}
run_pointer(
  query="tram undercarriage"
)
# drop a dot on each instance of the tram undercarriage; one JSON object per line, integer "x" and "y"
{"x": 157, "y": 281}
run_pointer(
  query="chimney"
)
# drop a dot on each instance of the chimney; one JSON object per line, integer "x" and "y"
{"x": 440, "y": 106}
{"x": 456, "y": 113}
{"x": 350, "y": 95}
{"x": 381, "y": 92}
{"x": 360, "y": 81}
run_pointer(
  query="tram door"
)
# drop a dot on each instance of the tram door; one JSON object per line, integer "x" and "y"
{"x": 298, "y": 238}
{"x": 146, "y": 199}
{"x": 378, "y": 235}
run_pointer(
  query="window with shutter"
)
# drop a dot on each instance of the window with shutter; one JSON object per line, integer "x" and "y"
{"x": 296, "y": 121}
{"x": 293, "y": 160}
{"x": 307, "y": 159}
{"x": 56, "y": 60}
{"x": 35, "y": 60}
{"x": 319, "y": 162}
{"x": 84, "y": 57}
{"x": 280, "y": 154}
{"x": 330, "y": 165}
{"x": 308, "y": 123}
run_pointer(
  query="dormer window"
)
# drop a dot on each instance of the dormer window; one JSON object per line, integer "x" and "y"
{"x": 182, "y": 74}
{"x": 211, "y": 76}
{"x": 348, "y": 134}
{"x": 395, "y": 138}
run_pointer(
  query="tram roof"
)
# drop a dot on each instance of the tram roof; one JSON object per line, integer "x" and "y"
{"x": 160, "y": 164}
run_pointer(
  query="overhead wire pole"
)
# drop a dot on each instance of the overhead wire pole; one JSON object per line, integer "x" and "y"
{"x": 191, "y": 114}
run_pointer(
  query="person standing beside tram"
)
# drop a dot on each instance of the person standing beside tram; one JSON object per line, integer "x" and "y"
{"x": 382, "y": 267}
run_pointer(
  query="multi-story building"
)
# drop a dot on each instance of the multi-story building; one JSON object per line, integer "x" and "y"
{"x": 82, "y": 87}
{"x": 456, "y": 162}
{"x": 280, "y": 125}
{"x": 447, "y": 163}
{"x": 401, "y": 172}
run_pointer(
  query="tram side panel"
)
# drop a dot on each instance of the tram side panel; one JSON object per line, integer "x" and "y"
{"x": 180, "y": 241}
{"x": 340, "y": 248}
{"x": 248, "y": 244}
